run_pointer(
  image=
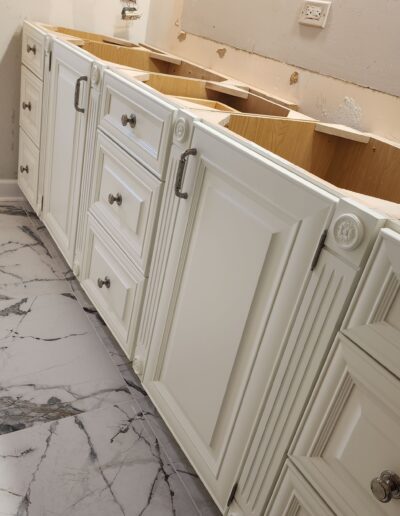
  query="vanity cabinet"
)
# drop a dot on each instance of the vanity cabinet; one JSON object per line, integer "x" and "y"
{"x": 66, "y": 130}
{"x": 33, "y": 99}
{"x": 244, "y": 239}
{"x": 348, "y": 438}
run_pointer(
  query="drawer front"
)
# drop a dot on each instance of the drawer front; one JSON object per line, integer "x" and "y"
{"x": 374, "y": 317}
{"x": 31, "y": 105}
{"x": 293, "y": 496}
{"x": 126, "y": 200}
{"x": 33, "y": 49}
{"x": 351, "y": 433}
{"x": 137, "y": 120}
{"x": 28, "y": 168}
{"x": 113, "y": 285}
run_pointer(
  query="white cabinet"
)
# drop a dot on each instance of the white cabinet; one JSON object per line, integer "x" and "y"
{"x": 350, "y": 435}
{"x": 67, "y": 118}
{"x": 374, "y": 318}
{"x": 242, "y": 248}
{"x": 28, "y": 167}
{"x": 295, "y": 497}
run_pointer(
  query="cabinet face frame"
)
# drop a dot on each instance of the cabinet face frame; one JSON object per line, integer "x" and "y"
{"x": 66, "y": 136}
{"x": 217, "y": 463}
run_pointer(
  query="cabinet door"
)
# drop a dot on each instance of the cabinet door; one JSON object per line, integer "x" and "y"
{"x": 240, "y": 255}
{"x": 351, "y": 433}
{"x": 67, "y": 117}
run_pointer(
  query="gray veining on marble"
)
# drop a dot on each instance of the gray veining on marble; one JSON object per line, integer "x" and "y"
{"x": 100, "y": 463}
{"x": 78, "y": 434}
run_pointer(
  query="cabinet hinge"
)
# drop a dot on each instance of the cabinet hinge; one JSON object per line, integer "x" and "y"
{"x": 321, "y": 245}
{"x": 232, "y": 495}
{"x": 41, "y": 204}
{"x": 50, "y": 59}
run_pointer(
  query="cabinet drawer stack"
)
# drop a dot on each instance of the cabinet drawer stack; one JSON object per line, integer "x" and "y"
{"x": 130, "y": 157}
{"x": 32, "y": 75}
{"x": 347, "y": 446}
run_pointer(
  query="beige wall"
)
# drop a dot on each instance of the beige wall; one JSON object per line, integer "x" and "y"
{"x": 92, "y": 15}
{"x": 321, "y": 96}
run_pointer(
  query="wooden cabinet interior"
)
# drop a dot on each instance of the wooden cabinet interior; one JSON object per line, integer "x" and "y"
{"x": 370, "y": 168}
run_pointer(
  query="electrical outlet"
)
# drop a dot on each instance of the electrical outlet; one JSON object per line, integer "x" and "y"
{"x": 315, "y": 13}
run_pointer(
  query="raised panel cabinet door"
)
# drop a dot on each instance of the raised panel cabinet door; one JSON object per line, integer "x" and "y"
{"x": 240, "y": 255}
{"x": 350, "y": 435}
{"x": 67, "y": 118}
{"x": 374, "y": 317}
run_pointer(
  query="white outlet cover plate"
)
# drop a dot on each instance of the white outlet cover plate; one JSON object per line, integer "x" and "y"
{"x": 314, "y": 13}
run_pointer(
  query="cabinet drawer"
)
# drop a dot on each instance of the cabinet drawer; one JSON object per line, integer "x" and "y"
{"x": 113, "y": 285}
{"x": 293, "y": 496}
{"x": 125, "y": 200}
{"x": 137, "y": 120}
{"x": 374, "y": 317}
{"x": 33, "y": 48}
{"x": 28, "y": 167}
{"x": 31, "y": 105}
{"x": 351, "y": 433}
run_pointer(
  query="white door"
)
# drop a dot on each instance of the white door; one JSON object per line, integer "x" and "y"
{"x": 243, "y": 244}
{"x": 67, "y": 117}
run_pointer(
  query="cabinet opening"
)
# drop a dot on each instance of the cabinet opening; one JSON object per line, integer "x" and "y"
{"x": 370, "y": 167}
{"x": 201, "y": 92}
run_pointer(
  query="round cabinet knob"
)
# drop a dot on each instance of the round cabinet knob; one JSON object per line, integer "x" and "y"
{"x": 131, "y": 120}
{"x": 24, "y": 169}
{"x": 115, "y": 198}
{"x": 386, "y": 486}
{"x": 106, "y": 282}
{"x": 31, "y": 48}
{"x": 27, "y": 105}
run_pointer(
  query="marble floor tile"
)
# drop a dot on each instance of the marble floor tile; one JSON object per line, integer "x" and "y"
{"x": 176, "y": 458}
{"x": 103, "y": 463}
{"x": 28, "y": 265}
{"x": 52, "y": 363}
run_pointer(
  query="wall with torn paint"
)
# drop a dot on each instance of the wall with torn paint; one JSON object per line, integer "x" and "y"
{"x": 92, "y": 15}
{"x": 321, "y": 96}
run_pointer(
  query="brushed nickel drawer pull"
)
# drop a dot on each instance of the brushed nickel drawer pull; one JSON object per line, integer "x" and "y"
{"x": 179, "y": 174}
{"x": 386, "y": 486}
{"x": 24, "y": 169}
{"x": 106, "y": 282}
{"x": 131, "y": 120}
{"x": 27, "y": 105}
{"x": 30, "y": 48}
{"x": 115, "y": 198}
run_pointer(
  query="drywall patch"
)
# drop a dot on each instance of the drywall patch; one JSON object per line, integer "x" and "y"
{"x": 348, "y": 113}
{"x": 182, "y": 35}
{"x": 221, "y": 52}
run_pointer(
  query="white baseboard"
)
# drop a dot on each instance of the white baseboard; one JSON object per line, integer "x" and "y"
{"x": 10, "y": 191}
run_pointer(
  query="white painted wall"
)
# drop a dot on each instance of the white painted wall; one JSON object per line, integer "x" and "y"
{"x": 92, "y": 15}
{"x": 360, "y": 43}
{"x": 321, "y": 96}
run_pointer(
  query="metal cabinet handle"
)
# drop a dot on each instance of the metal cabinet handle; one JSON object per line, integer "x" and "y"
{"x": 77, "y": 93}
{"x": 24, "y": 169}
{"x": 179, "y": 174}
{"x": 27, "y": 105}
{"x": 106, "y": 282}
{"x": 30, "y": 48}
{"x": 115, "y": 198}
{"x": 386, "y": 486}
{"x": 131, "y": 120}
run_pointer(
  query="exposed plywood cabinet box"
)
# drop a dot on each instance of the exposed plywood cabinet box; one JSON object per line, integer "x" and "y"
{"x": 369, "y": 167}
